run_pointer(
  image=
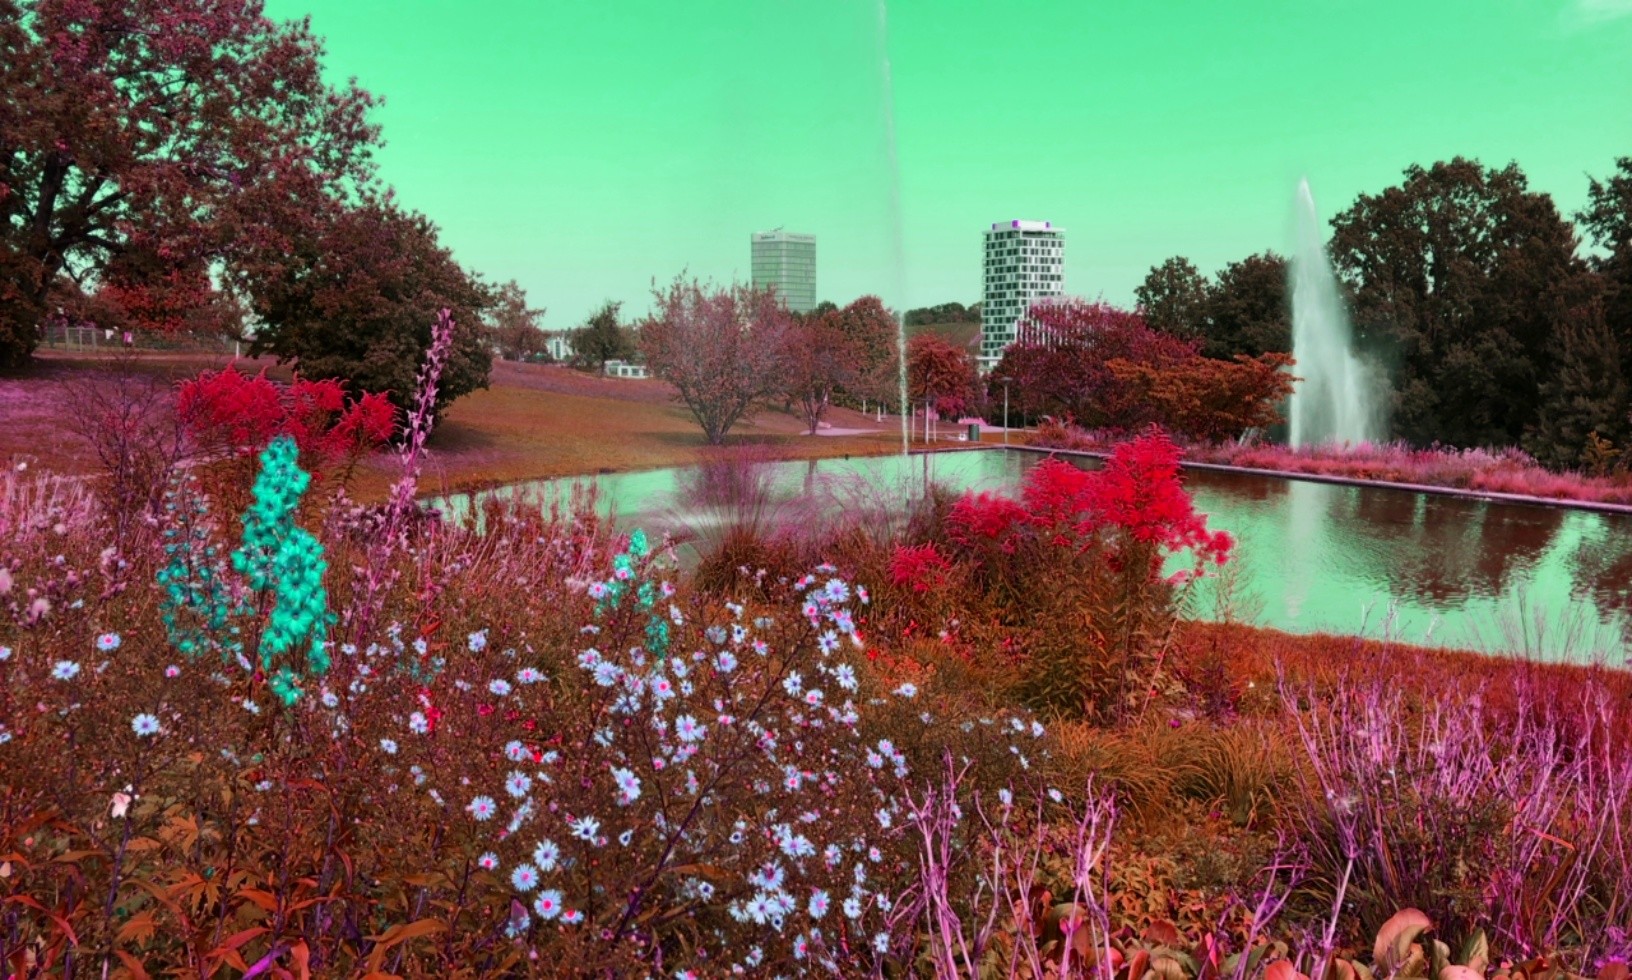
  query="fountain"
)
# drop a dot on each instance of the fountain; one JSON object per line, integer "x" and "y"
{"x": 1331, "y": 403}
{"x": 897, "y": 244}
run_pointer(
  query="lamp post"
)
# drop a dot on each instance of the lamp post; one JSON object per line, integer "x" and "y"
{"x": 1005, "y": 382}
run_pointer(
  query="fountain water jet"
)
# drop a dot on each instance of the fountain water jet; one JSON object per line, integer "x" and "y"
{"x": 1331, "y": 403}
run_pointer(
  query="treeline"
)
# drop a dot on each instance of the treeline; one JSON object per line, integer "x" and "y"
{"x": 923, "y": 316}
{"x": 1494, "y": 318}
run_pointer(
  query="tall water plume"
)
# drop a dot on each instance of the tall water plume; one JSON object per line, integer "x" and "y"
{"x": 1332, "y": 403}
{"x": 897, "y": 242}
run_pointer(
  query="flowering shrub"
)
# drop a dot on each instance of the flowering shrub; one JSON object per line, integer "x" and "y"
{"x": 1073, "y": 571}
{"x": 235, "y": 415}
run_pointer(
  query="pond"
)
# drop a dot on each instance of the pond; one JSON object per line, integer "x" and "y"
{"x": 1549, "y": 582}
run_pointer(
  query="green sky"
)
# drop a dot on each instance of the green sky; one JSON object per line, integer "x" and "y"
{"x": 584, "y": 148}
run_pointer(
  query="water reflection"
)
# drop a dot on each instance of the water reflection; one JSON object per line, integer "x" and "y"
{"x": 1318, "y": 557}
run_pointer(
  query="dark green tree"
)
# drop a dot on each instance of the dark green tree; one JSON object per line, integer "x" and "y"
{"x": 512, "y": 326}
{"x": 1173, "y": 298}
{"x": 1586, "y": 391}
{"x": 1608, "y": 222}
{"x": 171, "y": 135}
{"x": 356, "y": 299}
{"x": 1460, "y": 278}
{"x": 1248, "y": 309}
{"x": 602, "y": 338}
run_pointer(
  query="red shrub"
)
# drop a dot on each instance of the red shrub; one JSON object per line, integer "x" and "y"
{"x": 921, "y": 568}
{"x": 237, "y": 415}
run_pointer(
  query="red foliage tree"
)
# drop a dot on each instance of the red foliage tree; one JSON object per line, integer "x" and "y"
{"x": 1203, "y": 398}
{"x": 724, "y": 350}
{"x": 823, "y": 359}
{"x": 1105, "y": 368}
{"x": 941, "y": 373}
{"x": 207, "y": 125}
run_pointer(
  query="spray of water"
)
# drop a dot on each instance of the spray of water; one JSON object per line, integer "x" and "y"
{"x": 1331, "y": 403}
{"x": 897, "y": 244}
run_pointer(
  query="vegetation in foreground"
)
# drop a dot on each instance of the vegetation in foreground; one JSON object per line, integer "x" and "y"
{"x": 974, "y": 739}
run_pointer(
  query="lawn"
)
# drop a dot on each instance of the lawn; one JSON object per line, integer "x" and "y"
{"x": 535, "y": 421}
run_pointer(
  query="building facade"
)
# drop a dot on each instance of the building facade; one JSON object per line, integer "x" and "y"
{"x": 786, "y": 262}
{"x": 1025, "y": 262}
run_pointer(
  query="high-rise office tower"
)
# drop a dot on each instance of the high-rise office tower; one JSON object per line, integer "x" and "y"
{"x": 787, "y": 262}
{"x": 1024, "y": 263}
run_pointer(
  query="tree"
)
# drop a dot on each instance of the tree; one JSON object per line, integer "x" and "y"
{"x": 1461, "y": 275}
{"x": 1210, "y": 399}
{"x": 1059, "y": 366}
{"x": 941, "y": 373}
{"x": 356, "y": 301}
{"x": 602, "y": 338}
{"x": 724, "y": 350}
{"x": 189, "y": 130}
{"x": 1585, "y": 393}
{"x": 1608, "y": 220}
{"x": 822, "y": 360}
{"x": 512, "y": 326}
{"x": 1248, "y": 309}
{"x": 869, "y": 328}
{"x": 944, "y": 313}
{"x": 1173, "y": 298}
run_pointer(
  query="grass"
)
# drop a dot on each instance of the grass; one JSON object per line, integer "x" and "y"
{"x": 534, "y": 422}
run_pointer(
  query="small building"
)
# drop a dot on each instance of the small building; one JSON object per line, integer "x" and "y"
{"x": 625, "y": 369}
{"x": 558, "y": 345}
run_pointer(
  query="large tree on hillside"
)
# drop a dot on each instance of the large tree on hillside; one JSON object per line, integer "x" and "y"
{"x": 823, "y": 359}
{"x": 186, "y": 129}
{"x": 356, "y": 300}
{"x": 512, "y": 326}
{"x": 868, "y": 326}
{"x": 1173, "y": 298}
{"x": 724, "y": 350}
{"x": 1461, "y": 276}
{"x": 602, "y": 338}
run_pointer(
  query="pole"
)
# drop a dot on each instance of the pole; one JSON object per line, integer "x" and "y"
{"x": 1005, "y": 412}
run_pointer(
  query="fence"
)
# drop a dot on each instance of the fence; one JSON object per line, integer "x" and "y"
{"x": 81, "y": 337}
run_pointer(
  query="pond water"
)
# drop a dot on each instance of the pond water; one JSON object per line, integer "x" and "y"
{"x": 1447, "y": 571}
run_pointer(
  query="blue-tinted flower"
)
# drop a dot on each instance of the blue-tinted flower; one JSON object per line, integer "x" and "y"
{"x": 793, "y": 684}
{"x": 548, "y": 904}
{"x": 687, "y": 729}
{"x": 482, "y": 807}
{"x": 628, "y": 786}
{"x": 5, "y": 652}
{"x": 488, "y": 861}
{"x": 726, "y": 662}
{"x": 389, "y": 746}
{"x": 418, "y": 723}
{"x": 828, "y": 641}
{"x": 528, "y": 675}
{"x": 518, "y": 783}
{"x": 852, "y": 908}
{"x": 145, "y": 724}
{"x": 546, "y": 854}
{"x": 586, "y": 828}
{"x": 478, "y": 641}
{"x": 907, "y": 690}
{"x": 818, "y": 904}
{"x": 845, "y": 676}
{"x": 65, "y": 670}
{"x": 499, "y": 686}
{"x": 625, "y": 837}
{"x": 571, "y": 916}
{"x": 524, "y": 878}
{"x": 881, "y": 942}
{"x": 108, "y": 642}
